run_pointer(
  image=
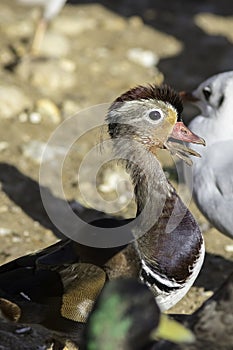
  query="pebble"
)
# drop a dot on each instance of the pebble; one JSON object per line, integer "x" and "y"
{"x": 23, "y": 117}
{"x": 48, "y": 110}
{"x": 143, "y": 57}
{"x": 35, "y": 118}
{"x": 3, "y": 145}
{"x": 6, "y": 56}
{"x": 5, "y": 231}
{"x": 229, "y": 248}
{"x": 3, "y": 209}
{"x": 16, "y": 239}
{"x": 208, "y": 293}
{"x": 68, "y": 65}
{"x": 55, "y": 45}
{"x": 12, "y": 101}
{"x": 16, "y": 209}
{"x": 215, "y": 25}
{"x": 19, "y": 29}
{"x": 136, "y": 22}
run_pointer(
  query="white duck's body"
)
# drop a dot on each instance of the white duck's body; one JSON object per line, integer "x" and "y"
{"x": 51, "y": 7}
{"x": 213, "y": 173}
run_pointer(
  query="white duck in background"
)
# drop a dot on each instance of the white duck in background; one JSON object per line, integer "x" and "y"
{"x": 50, "y": 9}
{"x": 213, "y": 172}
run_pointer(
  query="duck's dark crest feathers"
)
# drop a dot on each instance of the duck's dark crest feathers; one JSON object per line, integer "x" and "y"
{"x": 163, "y": 93}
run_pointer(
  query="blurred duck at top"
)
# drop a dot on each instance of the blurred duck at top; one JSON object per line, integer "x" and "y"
{"x": 50, "y": 8}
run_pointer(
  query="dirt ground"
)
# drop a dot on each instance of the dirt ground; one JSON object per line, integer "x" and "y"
{"x": 92, "y": 52}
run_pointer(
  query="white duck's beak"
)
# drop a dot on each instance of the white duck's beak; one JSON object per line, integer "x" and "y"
{"x": 188, "y": 96}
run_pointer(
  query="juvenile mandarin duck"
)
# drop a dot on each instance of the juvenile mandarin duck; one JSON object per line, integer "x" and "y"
{"x": 171, "y": 251}
{"x": 213, "y": 173}
{"x": 165, "y": 248}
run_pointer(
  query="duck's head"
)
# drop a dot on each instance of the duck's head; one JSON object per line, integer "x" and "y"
{"x": 126, "y": 316}
{"x": 213, "y": 96}
{"x": 151, "y": 115}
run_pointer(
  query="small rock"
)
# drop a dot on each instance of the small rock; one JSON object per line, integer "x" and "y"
{"x": 12, "y": 101}
{"x": 208, "y": 293}
{"x": 50, "y": 76}
{"x": 23, "y": 117}
{"x": 35, "y": 118}
{"x": 6, "y": 56}
{"x": 229, "y": 248}
{"x": 19, "y": 29}
{"x": 3, "y": 145}
{"x": 3, "y": 209}
{"x": 55, "y": 45}
{"x": 5, "y": 231}
{"x": 145, "y": 58}
{"x": 16, "y": 239}
{"x": 136, "y": 22}
{"x": 68, "y": 65}
{"x": 48, "y": 110}
{"x": 16, "y": 209}
{"x": 215, "y": 25}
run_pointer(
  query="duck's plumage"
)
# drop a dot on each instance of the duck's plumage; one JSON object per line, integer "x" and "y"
{"x": 57, "y": 294}
{"x": 162, "y": 93}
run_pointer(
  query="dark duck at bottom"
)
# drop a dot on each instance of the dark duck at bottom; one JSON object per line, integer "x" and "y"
{"x": 168, "y": 250}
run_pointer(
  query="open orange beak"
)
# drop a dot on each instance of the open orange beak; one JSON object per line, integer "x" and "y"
{"x": 182, "y": 133}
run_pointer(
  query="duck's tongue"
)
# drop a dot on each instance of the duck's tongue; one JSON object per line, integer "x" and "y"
{"x": 180, "y": 132}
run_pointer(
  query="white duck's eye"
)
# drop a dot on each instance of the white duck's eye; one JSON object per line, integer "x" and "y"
{"x": 155, "y": 115}
{"x": 207, "y": 92}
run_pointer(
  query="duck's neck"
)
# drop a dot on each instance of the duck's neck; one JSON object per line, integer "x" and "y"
{"x": 150, "y": 184}
{"x": 168, "y": 237}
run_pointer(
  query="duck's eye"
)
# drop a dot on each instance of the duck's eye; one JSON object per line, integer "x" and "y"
{"x": 155, "y": 115}
{"x": 207, "y": 92}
